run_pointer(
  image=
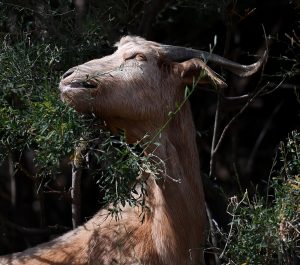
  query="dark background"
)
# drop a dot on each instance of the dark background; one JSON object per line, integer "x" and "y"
{"x": 246, "y": 155}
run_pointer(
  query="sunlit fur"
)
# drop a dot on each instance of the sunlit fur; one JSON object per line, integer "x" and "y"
{"x": 136, "y": 90}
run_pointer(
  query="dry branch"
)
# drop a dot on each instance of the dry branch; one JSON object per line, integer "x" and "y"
{"x": 76, "y": 183}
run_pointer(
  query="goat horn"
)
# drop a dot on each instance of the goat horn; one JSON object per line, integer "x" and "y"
{"x": 177, "y": 53}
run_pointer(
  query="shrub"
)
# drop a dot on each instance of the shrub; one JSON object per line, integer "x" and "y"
{"x": 31, "y": 114}
{"x": 32, "y": 117}
{"x": 267, "y": 231}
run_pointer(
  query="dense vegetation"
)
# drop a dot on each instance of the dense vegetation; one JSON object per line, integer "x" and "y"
{"x": 255, "y": 171}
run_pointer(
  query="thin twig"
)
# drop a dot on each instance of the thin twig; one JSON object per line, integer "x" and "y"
{"x": 212, "y": 233}
{"x": 236, "y": 116}
{"x": 40, "y": 200}
{"x": 216, "y": 122}
{"x": 261, "y": 137}
{"x": 64, "y": 194}
{"x": 55, "y": 229}
{"x": 12, "y": 177}
{"x": 236, "y": 205}
{"x": 76, "y": 182}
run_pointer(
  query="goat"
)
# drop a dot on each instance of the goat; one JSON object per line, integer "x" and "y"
{"x": 134, "y": 89}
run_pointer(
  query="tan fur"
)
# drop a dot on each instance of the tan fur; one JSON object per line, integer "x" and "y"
{"x": 136, "y": 89}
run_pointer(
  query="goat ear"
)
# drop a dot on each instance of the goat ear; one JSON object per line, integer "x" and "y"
{"x": 192, "y": 70}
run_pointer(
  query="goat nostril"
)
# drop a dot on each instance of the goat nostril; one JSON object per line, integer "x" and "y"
{"x": 68, "y": 73}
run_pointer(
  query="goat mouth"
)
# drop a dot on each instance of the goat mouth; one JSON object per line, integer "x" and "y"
{"x": 83, "y": 84}
{"x": 77, "y": 85}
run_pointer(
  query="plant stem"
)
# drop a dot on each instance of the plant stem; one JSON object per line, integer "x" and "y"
{"x": 76, "y": 182}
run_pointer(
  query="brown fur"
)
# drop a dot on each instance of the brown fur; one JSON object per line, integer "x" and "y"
{"x": 136, "y": 89}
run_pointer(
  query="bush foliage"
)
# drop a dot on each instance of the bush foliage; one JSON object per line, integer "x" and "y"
{"x": 266, "y": 230}
{"x": 32, "y": 116}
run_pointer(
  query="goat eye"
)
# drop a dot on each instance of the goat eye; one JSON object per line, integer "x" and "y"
{"x": 137, "y": 56}
{"x": 141, "y": 57}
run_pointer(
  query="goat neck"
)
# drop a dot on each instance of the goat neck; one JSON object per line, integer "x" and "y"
{"x": 176, "y": 198}
{"x": 179, "y": 194}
